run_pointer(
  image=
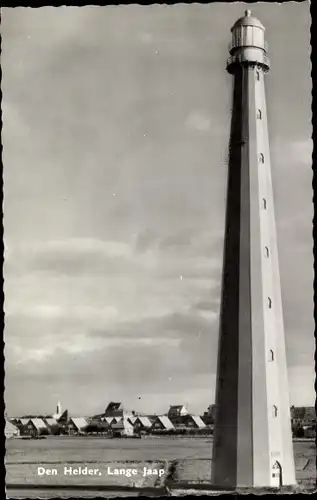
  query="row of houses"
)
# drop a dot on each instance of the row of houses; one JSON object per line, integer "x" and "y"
{"x": 116, "y": 421}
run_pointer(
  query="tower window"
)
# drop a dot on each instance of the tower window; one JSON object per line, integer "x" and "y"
{"x": 259, "y": 114}
{"x": 267, "y": 253}
{"x": 274, "y": 411}
{"x": 261, "y": 158}
{"x": 257, "y": 73}
{"x": 271, "y": 355}
{"x": 269, "y": 302}
{"x": 264, "y": 203}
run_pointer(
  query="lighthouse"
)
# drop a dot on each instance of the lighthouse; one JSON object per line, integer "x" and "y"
{"x": 252, "y": 438}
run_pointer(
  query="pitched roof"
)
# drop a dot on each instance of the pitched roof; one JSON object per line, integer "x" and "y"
{"x": 122, "y": 424}
{"x": 166, "y": 422}
{"x": 64, "y": 416}
{"x": 79, "y": 422}
{"x": 145, "y": 421}
{"x": 109, "y": 419}
{"x": 10, "y": 428}
{"x": 127, "y": 424}
{"x": 24, "y": 421}
{"x": 198, "y": 421}
{"x": 51, "y": 421}
{"x": 176, "y": 410}
{"x": 132, "y": 419}
{"x": 38, "y": 423}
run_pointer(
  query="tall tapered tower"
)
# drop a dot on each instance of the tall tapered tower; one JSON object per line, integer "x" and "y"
{"x": 252, "y": 440}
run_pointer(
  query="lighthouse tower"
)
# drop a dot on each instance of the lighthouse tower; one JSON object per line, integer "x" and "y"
{"x": 252, "y": 439}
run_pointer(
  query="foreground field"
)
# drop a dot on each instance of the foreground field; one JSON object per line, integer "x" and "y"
{"x": 85, "y": 449}
{"x": 191, "y": 458}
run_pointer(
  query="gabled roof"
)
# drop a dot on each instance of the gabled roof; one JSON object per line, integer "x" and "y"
{"x": 63, "y": 417}
{"x": 51, "y": 421}
{"x": 132, "y": 419}
{"x": 176, "y": 409}
{"x": 166, "y": 422}
{"x": 126, "y": 423}
{"x": 108, "y": 419}
{"x": 38, "y": 423}
{"x": 79, "y": 422}
{"x": 145, "y": 421}
{"x": 198, "y": 421}
{"x": 122, "y": 424}
{"x": 10, "y": 428}
{"x": 24, "y": 421}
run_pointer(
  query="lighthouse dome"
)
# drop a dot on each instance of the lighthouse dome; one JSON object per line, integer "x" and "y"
{"x": 248, "y": 20}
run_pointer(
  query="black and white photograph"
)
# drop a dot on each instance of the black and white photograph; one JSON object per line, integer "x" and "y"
{"x": 158, "y": 250}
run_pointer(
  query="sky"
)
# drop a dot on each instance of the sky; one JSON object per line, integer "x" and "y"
{"x": 115, "y": 138}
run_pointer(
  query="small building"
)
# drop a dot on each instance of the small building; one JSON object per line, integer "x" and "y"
{"x": 50, "y": 421}
{"x": 142, "y": 423}
{"x": 11, "y": 430}
{"x": 309, "y": 431}
{"x": 109, "y": 420}
{"x": 96, "y": 426}
{"x": 177, "y": 411}
{"x": 303, "y": 415}
{"x": 52, "y": 425}
{"x": 20, "y": 423}
{"x": 36, "y": 427}
{"x": 123, "y": 428}
{"x": 209, "y": 416}
{"x": 193, "y": 422}
{"x": 76, "y": 425}
{"x": 162, "y": 423}
{"x": 63, "y": 422}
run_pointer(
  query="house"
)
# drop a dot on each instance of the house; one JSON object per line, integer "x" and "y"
{"x": 209, "y": 416}
{"x": 114, "y": 410}
{"x": 193, "y": 421}
{"x": 177, "y": 411}
{"x": 109, "y": 420}
{"x": 35, "y": 427}
{"x": 162, "y": 423}
{"x": 142, "y": 423}
{"x": 11, "y": 430}
{"x": 97, "y": 426}
{"x": 50, "y": 422}
{"x": 20, "y": 423}
{"x": 303, "y": 415}
{"x": 52, "y": 425}
{"x": 309, "y": 431}
{"x": 76, "y": 425}
{"x": 123, "y": 428}
{"x": 63, "y": 421}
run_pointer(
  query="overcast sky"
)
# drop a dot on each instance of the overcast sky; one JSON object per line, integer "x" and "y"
{"x": 116, "y": 123}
